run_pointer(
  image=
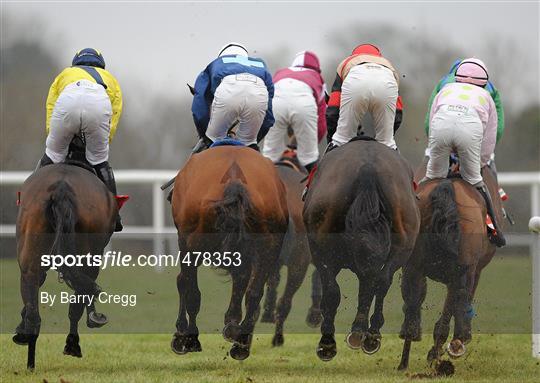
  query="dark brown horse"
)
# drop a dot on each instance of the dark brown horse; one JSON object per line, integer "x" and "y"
{"x": 452, "y": 248}
{"x": 64, "y": 210}
{"x": 295, "y": 255}
{"x": 228, "y": 199}
{"x": 361, "y": 214}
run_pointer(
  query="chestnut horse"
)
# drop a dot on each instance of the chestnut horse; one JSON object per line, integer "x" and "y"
{"x": 360, "y": 214}
{"x": 227, "y": 199}
{"x": 452, "y": 248}
{"x": 64, "y": 209}
{"x": 295, "y": 255}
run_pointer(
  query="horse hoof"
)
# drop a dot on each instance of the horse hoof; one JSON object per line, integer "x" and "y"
{"x": 192, "y": 344}
{"x": 371, "y": 344}
{"x": 73, "y": 350}
{"x": 326, "y": 352}
{"x": 239, "y": 351}
{"x": 456, "y": 349}
{"x": 355, "y": 340}
{"x": 231, "y": 332}
{"x": 278, "y": 340}
{"x": 178, "y": 344}
{"x": 96, "y": 320}
{"x": 314, "y": 318}
{"x": 72, "y": 346}
{"x": 20, "y": 339}
{"x": 268, "y": 317}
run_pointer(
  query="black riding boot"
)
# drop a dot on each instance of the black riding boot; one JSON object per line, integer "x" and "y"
{"x": 105, "y": 174}
{"x": 44, "y": 161}
{"x": 498, "y": 238}
{"x": 309, "y": 167}
{"x": 203, "y": 144}
{"x": 329, "y": 147}
{"x": 254, "y": 147}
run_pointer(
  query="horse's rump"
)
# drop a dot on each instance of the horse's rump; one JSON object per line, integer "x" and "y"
{"x": 76, "y": 217}
{"x": 443, "y": 234}
{"x": 228, "y": 194}
{"x": 452, "y": 224}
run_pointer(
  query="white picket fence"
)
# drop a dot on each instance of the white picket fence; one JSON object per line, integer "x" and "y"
{"x": 156, "y": 232}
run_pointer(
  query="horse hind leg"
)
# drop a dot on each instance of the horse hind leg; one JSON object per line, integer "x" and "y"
{"x": 233, "y": 316}
{"x": 413, "y": 292}
{"x": 314, "y": 315}
{"x": 20, "y": 333}
{"x": 296, "y": 271}
{"x": 254, "y": 292}
{"x": 95, "y": 319}
{"x": 32, "y": 321}
{"x": 442, "y": 328}
{"x": 331, "y": 298}
{"x": 359, "y": 328}
{"x": 462, "y": 314}
{"x": 186, "y": 339}
{"x": 271, "y": 296}
{"x": 72, "y": 346}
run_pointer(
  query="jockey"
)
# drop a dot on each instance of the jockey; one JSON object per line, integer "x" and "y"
{"x": 365, "y": 82}
{"x": 493, "y": 91}
{"x": 84, "y": 99}
{"x": 463, "y": 117}
{"x": 233, "y": 88}
{"x": 299, "y": 103}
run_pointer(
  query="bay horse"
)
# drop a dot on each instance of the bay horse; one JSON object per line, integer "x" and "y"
{"x": 360, "y": 214}
{"x": 295, "y": 255}
{"x": 452, "y": 248}
{"x": 227, "y": 198}
{"x": 64, "y": 210}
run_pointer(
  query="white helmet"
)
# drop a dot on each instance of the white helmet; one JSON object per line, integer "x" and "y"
{"x": 233, "y": 49}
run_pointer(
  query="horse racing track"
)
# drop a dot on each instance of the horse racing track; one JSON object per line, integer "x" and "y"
{"x": 135, "y": 345}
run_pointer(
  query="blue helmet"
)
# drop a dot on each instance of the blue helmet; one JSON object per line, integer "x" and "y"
{"x": 89, "y": 57}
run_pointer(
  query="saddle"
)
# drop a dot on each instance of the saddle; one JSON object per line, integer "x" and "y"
{"x": 362, "y": 138}
{"x": 228, "y": 141}
{"x": 77, "y": 154}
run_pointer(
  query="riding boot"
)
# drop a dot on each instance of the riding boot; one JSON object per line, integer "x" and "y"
{"x": 254, "y": 147}
{"x": 329, "y": 147}
{"x": 498, "y": 238}
{"x": 203, "y": 144}
{"x": 309, "y": 167}
{"x": 44, "y": 161}
{"x": 105, "y": 174}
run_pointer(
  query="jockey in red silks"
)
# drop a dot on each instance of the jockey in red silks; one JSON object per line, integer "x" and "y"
{"x": 365, "y": 82}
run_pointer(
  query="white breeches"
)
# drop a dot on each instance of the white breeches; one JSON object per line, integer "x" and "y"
{"x": 368, "y": 88}
{"x": 455, "y": 128}
{"x": 293, "y": 106}
{"x": 244, "y": 98}
{"x": 82, "y": 107}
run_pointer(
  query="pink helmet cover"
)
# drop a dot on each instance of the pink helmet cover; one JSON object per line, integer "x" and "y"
{"x": 472, "y": 71}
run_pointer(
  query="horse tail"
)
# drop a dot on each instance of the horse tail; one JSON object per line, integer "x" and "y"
{"x": 444, "y": 232}
{"x": 368, "y": 221}
{"x": 234, "y": 214}
{"x": 61, "y": 214}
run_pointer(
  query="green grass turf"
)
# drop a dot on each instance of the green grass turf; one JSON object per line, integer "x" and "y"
{"x": 146, "y": 358}
{"x": 502, "y": 304}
